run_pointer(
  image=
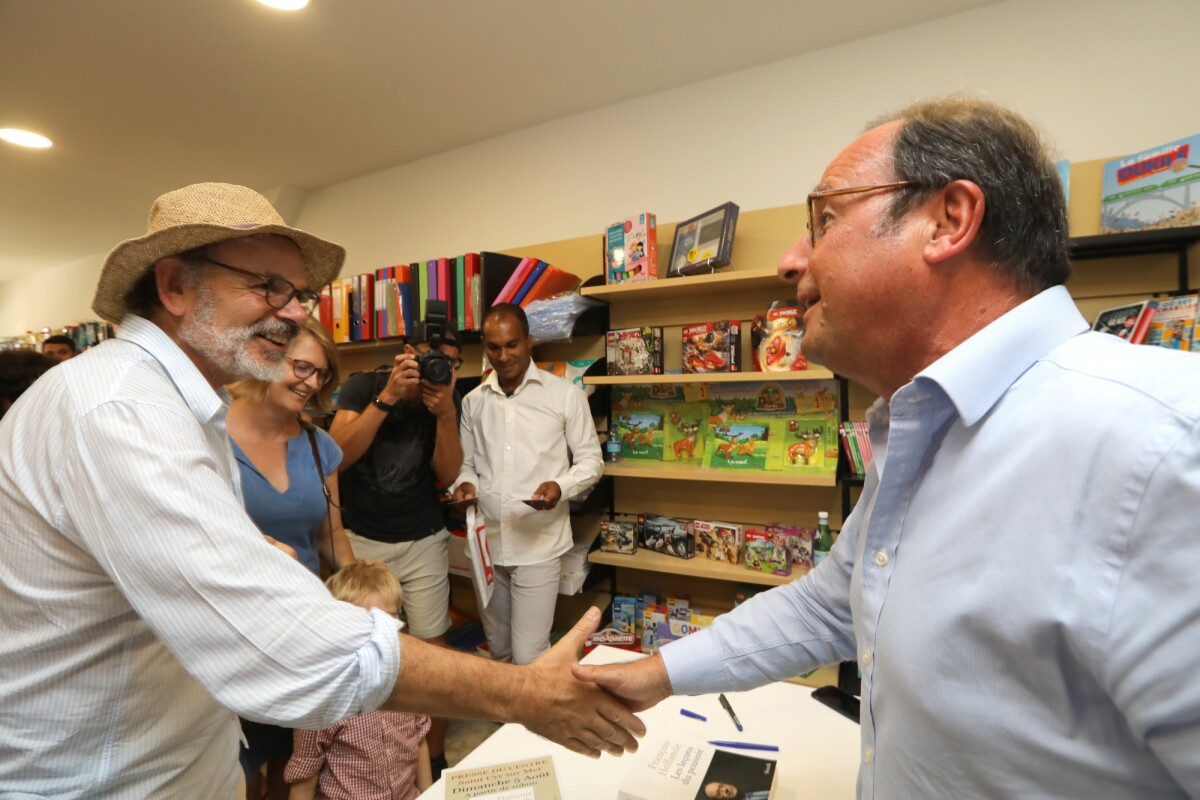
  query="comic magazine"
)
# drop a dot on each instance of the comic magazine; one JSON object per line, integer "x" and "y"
{"x": 1156, "y": 188}
{"x": 1173, "y": 323}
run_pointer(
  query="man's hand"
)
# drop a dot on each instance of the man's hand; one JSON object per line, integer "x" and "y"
{"x": 574, "y": 713}
{"x": 549, "y": 493}
{"x": 465, "y": 494}
{"x": 404, "y": 382}
{"x": 439, "y": 398}
{"x": 639, "y": 684}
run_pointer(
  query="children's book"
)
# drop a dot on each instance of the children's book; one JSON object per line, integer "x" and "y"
{"x": 1131, "y": 321}
{"x": 1174, "y": 322}
{"x": 674, "y": 770}
{"x": 529, "y": 779}
{"x": 631, "y": 250}
{"x": 1155, "y": 188}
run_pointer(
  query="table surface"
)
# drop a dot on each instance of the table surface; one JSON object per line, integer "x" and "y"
{"x": 818, "y": 748}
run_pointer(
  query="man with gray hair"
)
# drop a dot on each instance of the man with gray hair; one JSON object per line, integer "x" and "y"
{"x": 142, "y": 610}
{"x": 1017, "y": 581}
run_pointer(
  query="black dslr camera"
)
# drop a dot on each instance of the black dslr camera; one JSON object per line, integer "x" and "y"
{"x": 436, "y": 366}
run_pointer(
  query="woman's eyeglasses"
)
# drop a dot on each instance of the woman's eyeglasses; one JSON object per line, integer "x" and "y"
{"x": 303, "y": 369}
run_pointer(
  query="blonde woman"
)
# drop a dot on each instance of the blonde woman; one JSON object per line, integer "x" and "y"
{"x": 277, "y": 453}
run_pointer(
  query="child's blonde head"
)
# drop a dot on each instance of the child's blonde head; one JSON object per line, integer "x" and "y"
{"x": 359, "y": 581}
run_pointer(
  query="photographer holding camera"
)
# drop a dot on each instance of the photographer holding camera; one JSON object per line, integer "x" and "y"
{"x": 398, "y": 430}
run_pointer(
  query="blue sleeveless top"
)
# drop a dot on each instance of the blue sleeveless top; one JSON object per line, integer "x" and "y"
{"x": 294, "y": 516}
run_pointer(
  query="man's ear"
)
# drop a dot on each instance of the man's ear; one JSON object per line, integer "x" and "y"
{"x": 168, "y": 279}
{"x": 957, "y": 212}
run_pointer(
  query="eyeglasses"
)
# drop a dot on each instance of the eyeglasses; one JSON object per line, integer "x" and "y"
{"x": 277, "y": 291}
{"x": 816, "y": 225}
{"x": 303, "y": 369}
{"x": 456, "y": 362}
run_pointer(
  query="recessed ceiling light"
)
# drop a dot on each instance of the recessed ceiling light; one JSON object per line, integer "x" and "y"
{"x": 285, "y": 5}
{"x": 24, "y": 138}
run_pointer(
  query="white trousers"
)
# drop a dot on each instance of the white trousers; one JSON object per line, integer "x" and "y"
{"x": 518, "y": 618}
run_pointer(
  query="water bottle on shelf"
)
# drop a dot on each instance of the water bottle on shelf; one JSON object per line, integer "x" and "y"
{"x": 823, "y": 541}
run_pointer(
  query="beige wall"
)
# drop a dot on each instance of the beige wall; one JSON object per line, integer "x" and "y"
{"x": 759, "y": 137}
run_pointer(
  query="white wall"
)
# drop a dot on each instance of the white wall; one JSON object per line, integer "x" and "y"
{"x": 1092, "y": 73}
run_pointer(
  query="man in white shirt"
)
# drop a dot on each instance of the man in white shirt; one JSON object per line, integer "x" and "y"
{"x": 1017, "y": 581}
{"x": 529, "y": 444}
{"x": 141, "y": 609}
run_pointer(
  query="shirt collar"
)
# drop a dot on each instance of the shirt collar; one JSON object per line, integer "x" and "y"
{"x": 204, "y": 401}
{"x": 533, "y": 374}
{"x": 975, "y": 374}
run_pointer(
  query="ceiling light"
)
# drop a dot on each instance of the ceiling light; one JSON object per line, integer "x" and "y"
{"x": 285, "y": 5}
{"x": 24, "y": 138}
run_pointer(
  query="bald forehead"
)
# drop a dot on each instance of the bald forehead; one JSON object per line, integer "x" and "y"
{"x": 868, "y": 159}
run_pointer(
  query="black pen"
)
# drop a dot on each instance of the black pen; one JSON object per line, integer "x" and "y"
{"x": 729, "y": 708}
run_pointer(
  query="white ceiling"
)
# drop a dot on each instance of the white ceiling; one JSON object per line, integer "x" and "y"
{"x": 143, "y": 96}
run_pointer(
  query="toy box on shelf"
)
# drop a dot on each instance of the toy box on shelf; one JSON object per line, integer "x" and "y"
{"x": 667, "y": 535}
{"x": 634, "y": 351}
{"x": 767, "y": 551}
{"x": 718, "y": 541}
{"x": 712, "y": 346}
{"x": 631, "y": 250}
{"x": 775, "y": 339}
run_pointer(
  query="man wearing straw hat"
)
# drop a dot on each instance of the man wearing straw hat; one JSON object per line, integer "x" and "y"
{"x": 142, "y": 610}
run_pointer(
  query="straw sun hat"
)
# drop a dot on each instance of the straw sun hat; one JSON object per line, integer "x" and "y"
{"x": 197, "y": 215}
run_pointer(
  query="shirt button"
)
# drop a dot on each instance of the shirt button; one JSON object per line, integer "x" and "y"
{"x": 881, "y": 559}
{"x": 866, "y": 657}
{"x": 869, "y": 755}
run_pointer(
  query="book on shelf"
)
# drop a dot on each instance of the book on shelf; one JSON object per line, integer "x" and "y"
{"x": 527, "y": 779}
{"x": 460, "y": 293}
{"x": 1130, "y": 321}
{"x": 1174, "y": 322}
{"x": 1152, "y": 189}
{"x": 675, "y": 770}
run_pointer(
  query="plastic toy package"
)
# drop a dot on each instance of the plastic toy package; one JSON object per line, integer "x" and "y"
{"x": 552, "y": 320}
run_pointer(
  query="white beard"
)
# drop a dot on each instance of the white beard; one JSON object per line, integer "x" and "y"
{"x": 229, "y": 348}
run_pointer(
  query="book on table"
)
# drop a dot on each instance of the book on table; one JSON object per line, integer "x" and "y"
{"x": 528, "y": 779}
{"x": 674, "y": 770}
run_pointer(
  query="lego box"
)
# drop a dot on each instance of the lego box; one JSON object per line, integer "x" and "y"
{"x": 634, "y": 351}
{"x": 712, "y": 346}
{"x": 618, "y": 537}
{"x": 631, "y": 250}
{"x": 667, "y": 535}
{"x": 718, "y": 541}
{"x": 767, "y": 552}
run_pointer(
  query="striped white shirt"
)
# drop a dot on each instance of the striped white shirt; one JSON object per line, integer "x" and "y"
{"x": 139, "y": 606}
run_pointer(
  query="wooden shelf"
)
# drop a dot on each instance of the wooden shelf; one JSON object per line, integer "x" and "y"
{"x": 813, "y": 374}
{"x": 691, "y": 286}
{"x": 650, "y": 561}
{"x": 662, "y": 470}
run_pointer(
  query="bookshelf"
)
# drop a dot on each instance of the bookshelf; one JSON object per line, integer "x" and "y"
{"x": 649, "y": 561}
{"x": 811, "y": 374}
{"x": 663, "y": 470}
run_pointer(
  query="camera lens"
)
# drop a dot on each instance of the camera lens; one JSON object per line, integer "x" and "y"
{"x": 436, "y": 367}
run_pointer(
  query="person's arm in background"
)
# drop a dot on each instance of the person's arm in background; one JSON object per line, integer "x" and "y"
{"x": 304, "y": 790}
{"x": 579, "y": 431}
{"x": 447, "y": 449}
{"x": 333, "y": 545}
{"x": 424, "y": 769}
{"x": 354, "y": 430}
{"x": 466, "y": 485}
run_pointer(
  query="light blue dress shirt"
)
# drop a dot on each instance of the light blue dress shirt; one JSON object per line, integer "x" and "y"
{"x": 1018, "y": 582}
{"x": 139, "y": 606}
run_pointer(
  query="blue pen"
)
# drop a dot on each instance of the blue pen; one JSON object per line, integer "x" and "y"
{"x": 746, "y": 746}
{"x": 693, "y": 715}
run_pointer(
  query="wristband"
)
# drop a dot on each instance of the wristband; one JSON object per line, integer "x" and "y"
{"x": 382, "y": 406}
